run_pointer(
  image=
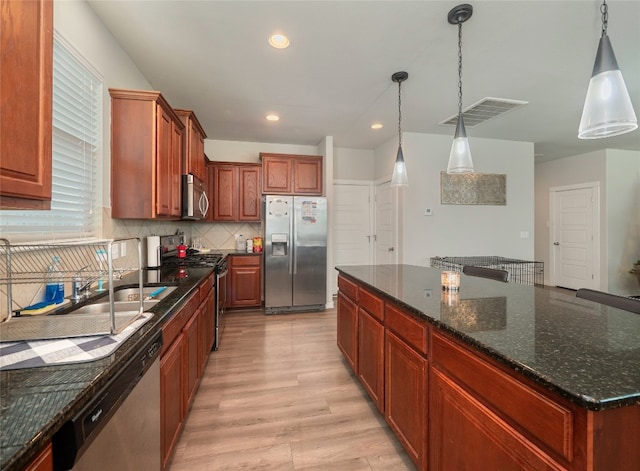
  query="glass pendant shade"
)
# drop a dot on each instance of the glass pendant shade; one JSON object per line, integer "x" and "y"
{"x": 607, "y": 108}
{"x": 460, "y": 157}
{"x": 399, "y": 177}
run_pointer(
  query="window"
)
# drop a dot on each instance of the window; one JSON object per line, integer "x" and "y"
{"x": 77, "y": 141}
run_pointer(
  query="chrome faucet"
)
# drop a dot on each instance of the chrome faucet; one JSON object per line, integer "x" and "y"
{"x": 80, "y": 288}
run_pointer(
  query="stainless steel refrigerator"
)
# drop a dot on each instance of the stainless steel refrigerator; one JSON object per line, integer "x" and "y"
{"x": 295, "y": 253}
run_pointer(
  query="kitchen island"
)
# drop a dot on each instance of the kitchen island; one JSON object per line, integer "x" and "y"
{"x": 507, "y": 375}
{"x": 36, "y": 402}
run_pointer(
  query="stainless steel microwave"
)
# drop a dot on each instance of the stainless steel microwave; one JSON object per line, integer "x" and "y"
{"x": 195, "y": 202}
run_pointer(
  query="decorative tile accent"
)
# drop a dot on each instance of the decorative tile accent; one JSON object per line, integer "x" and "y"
{"x": 473, "y": 188}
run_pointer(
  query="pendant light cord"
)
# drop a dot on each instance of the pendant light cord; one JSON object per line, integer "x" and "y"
{"x": 399, "y": 113}
{"x": 460, "y": 68}
{"x": 604, "y": 9}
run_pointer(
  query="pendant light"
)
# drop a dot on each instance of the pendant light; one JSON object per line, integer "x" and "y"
{"x": 607, "y": 108}
{"x": 399, "y": 177}
{"x": 460, "y": 157}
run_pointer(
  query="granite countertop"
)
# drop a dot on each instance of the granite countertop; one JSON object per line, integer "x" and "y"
{"x": 584, "y": 351}
{"x": 35, "y": 402}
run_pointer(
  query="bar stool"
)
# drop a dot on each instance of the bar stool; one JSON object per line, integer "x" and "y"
{"x": 613, "y": 300}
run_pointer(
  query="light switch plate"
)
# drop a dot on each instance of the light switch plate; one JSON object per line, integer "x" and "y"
{"x": 428, "y": 212}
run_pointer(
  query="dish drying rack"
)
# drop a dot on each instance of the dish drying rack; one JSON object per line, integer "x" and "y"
{"x": 28, "y": 264}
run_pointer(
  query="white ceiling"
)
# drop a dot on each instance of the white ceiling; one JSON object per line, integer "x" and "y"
{"x": 335, "y": 78}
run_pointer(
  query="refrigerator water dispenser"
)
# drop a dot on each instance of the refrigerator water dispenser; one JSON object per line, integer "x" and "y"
{"x": 279, "y": 245}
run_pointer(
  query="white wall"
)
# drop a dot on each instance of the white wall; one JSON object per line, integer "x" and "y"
{"x": 462, "y": 230}
{"x": 354, "y": 164}
{"x": 585, "y": 168}
{"x": 76, "y": 22}
{"x": 618, "y": 174}
{"x": 240, "y": 151}
{"x": 623, "y": 220}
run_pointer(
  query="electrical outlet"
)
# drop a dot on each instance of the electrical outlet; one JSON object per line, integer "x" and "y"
{"x": 115, "y": 252}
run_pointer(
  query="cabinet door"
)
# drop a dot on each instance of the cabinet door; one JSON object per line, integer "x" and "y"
{"x": 208, "y": 324}
{"x": 245, "y": 281}
{"x": 406, "y": 397}
{"x": 465, "y": 433}
{"x": 175, "y": 168}
{"x": 348, "y": 330}
{"x": 43, "y": 461}
{"x": 225, "y": 193}
{"x": 250, "y": 193}
{"x": 171, "y": 398}
{"x": 371, "y": 357}
{"x": 193, "y": 358}
{"x": 307, "y": 176}
{"x": 276, "y": 175}
{"x": 164, "y": 164}
{"x": 26, "y": 62}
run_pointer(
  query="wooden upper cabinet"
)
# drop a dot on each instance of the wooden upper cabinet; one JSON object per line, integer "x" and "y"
{"x": 250, "y": 202}
{"x": 288, "y": 174}
{"x": 146, "y": 156}
{"x": 26, "y": 62}
{"x": 194, "y": 136}
{"x": 236, "y": 191}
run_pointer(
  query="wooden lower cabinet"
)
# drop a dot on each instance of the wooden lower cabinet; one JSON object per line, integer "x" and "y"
{"x": 453, "y": 407}
{"x": 188, "y": 337}
{"x": 171, "y": 394}
{"x": 406, "y": 397}
{"x": 192, "y": 357}
{"x": 347, "y": 320}
{"x": 371, "y": 357}
{"x": 244, "y": 287}
{"x": 43, "y": 460}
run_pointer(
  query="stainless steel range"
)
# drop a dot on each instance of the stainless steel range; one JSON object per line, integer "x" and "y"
{"x": 196, "y": 259}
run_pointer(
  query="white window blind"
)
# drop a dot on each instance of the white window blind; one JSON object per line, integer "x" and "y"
{"x": 77, "y": 140}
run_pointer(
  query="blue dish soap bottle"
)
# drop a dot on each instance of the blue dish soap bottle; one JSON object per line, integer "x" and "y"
{"x": 54, "y": 291}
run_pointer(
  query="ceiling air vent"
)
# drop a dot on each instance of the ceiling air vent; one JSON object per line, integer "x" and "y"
{"x": 484, "y": 110}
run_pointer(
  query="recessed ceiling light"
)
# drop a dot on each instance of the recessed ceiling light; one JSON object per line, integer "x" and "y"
{"x": 273, "y": 117}
{"x": 279, "y": 41}
{"x": 377, "y": 126}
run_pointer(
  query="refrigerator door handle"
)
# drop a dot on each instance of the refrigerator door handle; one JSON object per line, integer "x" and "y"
{"x": 293, "y": 243}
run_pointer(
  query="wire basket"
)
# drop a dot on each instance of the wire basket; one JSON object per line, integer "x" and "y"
{"x": 520, "y": 271}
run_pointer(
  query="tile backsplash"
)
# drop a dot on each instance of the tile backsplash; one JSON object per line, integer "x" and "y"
{"x": 215, "y": 236}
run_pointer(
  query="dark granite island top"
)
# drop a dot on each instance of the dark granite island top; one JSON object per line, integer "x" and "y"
{"x": 584, "y": 351}
{"x": 35, "y": 402}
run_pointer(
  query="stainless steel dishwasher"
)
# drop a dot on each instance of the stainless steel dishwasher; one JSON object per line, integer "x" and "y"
{"x": 120, "y": 428}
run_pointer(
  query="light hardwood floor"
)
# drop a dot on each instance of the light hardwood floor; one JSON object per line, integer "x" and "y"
{"x": 277, "y": 396}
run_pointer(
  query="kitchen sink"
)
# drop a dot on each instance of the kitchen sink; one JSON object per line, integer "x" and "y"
{"x": 87, "y": 320}
{"x": 119, "y": 306}
{"x": 133, "y": 294}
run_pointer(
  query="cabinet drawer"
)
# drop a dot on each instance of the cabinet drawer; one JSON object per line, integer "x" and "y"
{"x": 410, "y": 329}
{"x": 536, "y": 416}
{"x": 348, "y": 288}
{"x": 245, "y": 260}
{"x": 174, "y": 326}
{"x": 205, "y": 287}
{"x": 371, "y": 303}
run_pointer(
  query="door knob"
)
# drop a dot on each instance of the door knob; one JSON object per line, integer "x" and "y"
{"x": 556, "y": 243}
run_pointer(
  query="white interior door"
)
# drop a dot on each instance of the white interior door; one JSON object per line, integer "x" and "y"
{"x": 574, "y": 228}
{"x": 386, "y": 240}
{"x": 353, "y": 229}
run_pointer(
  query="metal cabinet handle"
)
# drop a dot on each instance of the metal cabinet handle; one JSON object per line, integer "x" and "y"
{"x": 556, "y": 243}
{"x": 390, "y": 249}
